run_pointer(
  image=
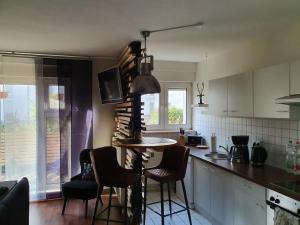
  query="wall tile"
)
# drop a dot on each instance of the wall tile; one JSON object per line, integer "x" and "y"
{"x": 274, "y": 134}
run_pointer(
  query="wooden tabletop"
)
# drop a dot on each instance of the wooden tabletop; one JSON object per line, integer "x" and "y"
{"x": 145, "y": 142}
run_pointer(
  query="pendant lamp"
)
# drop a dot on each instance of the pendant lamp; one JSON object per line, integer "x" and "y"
{"x": 145, "y": 83}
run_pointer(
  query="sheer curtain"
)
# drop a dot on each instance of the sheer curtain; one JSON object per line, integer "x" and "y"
{"x": 18, "y": 104}
{"x": 33, "y": 132}
{"x": 45, "y": 120}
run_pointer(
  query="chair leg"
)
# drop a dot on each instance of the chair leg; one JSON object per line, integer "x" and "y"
{"x": 169, "y": 195}
{"x": 145, "y": 201}
{"x": 101, "y": 202}
{"x": 96, "y": 205}
{"x": 64, "y": 206}
{"x": 186, "y": 202}
{"x": 125, "y": 206}
{"x": 109, "y": 205}
{"x": 100, "y": 189}
{"x": 86, "y": 207}
{"x": 162, "y": 203}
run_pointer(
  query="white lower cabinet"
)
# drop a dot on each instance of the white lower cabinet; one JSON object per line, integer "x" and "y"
{"x": 188, "y": 182}
{"x": 226, "y": 199}
{"x": 213, "y": 193}
{"x": 221, "y": 200}
{"x": 249, "y": 203}
{"x": 201, "y": 187}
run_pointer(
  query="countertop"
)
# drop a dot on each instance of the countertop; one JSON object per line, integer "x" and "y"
{"x": 263, "y": 176}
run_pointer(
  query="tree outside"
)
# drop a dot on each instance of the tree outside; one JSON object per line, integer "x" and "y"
{"x": 175, "y": 115}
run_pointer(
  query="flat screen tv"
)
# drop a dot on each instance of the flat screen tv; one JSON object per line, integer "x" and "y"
{"x": 110, "y": 84}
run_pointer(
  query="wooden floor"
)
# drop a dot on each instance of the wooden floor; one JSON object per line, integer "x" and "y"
{"x": 49, "y": 213}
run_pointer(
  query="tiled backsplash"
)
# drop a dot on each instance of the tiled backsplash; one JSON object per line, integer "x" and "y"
{"x": 273, "y": 133}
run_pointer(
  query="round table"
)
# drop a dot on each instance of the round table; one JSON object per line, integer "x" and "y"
{"x": 138, "y": 146}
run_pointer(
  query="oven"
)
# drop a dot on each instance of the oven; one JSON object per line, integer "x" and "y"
{"x": 282, "y": 209}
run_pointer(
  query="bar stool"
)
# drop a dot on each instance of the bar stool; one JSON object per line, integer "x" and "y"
{"x": 109, "y": 173}
{"x": 172, "y": 168}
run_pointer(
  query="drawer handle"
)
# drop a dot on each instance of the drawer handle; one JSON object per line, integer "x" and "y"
{"x": 233, "y": 111}
{"x": 282, "y": 111}
{"x": 224, "y": 111}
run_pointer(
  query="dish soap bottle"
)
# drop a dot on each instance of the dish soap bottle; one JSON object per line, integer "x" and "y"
{"x": 290, "y": 157}
{"x": 297, "y": 158}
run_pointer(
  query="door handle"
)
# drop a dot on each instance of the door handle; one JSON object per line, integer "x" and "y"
{"x": 282, "y": 111}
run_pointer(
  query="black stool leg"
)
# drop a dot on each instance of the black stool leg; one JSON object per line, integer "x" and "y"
{"x": 145, "y": 201}
{"x": 125, "y": 207}
{"x": 162, "y": 203}
{"x": 186, "y": 202}
{"x": 86, "y": 207}
{"x": 101, "y": 202}
{"x": 170, "y": 204}
{"x": 109, "y": 205}
{"x": 96, "y": 205}
{"x": 64, "y": 206}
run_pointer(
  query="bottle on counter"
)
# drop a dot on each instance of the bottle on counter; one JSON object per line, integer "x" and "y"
{"x": 290, "y": 159}
{"x": 213, "y": 142}
{"x": 297, "y": 158}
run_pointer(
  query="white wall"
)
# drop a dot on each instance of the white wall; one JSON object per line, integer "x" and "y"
{"x": 103, "y": 115}
{"x": 274, "y": 133}
{"x": 175, "y": 71}
{"x": 274, "y": 49}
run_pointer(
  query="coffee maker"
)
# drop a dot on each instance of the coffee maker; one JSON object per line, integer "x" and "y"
{"x": 239, "y": 152}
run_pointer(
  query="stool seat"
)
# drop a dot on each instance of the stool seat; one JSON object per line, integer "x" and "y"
{"x": 122, "y": 179}
{"x": 80, "y": 189}
{"x": 161, "y": 175}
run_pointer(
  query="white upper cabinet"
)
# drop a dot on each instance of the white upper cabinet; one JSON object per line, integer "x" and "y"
{"x": 295, "y": 78}
{"x": 218, "y": 97}
{"x": 270, "y": 83}
{"x": 240, "y": 95}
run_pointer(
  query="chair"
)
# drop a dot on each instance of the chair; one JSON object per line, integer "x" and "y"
{"x": 109, "y": 173}
{"x": 79, "y": 188}
{"x": 172, "y": 168}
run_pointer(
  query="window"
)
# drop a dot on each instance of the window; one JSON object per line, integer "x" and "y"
{"x": 169, "y": 109}
{"x": 151, "y": 109}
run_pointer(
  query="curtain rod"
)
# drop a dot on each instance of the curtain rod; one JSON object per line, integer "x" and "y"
{"x": 31, "y": 54}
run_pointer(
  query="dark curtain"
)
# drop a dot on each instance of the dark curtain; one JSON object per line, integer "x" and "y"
{"x": 74, "y": 92}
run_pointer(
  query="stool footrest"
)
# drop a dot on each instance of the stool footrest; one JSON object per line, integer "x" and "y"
{"x": 178, "y": 211}
{"x": 110, "y": 220}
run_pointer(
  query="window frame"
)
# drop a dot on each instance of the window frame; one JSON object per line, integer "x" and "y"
{"x": 163, "y": 107}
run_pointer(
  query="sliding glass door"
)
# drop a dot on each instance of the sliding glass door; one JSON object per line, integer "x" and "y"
{"x": 34, "y": 126}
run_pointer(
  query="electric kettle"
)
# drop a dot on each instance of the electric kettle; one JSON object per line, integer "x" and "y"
{"x": 258, "y": 155}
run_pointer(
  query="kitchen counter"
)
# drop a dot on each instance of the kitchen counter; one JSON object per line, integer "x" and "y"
{"x": 263, "y": 176}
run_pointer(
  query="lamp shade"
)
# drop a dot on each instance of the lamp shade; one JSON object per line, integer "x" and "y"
{"x": 145, "y": 83}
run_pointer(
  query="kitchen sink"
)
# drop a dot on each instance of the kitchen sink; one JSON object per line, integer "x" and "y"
{"x": 216, "y": 156}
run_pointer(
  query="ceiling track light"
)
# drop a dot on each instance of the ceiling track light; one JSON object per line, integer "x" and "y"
{"x": 146, "y": 83}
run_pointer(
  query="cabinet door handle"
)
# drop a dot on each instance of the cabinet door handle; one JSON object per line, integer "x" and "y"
{"x": 233, "y": 111}
{"x": 224, "y": 111}
{"x": 282, "y": 111}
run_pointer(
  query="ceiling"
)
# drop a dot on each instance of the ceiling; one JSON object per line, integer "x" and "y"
{"x": 103, "y": 28}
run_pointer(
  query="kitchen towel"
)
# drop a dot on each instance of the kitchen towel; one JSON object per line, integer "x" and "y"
{"x": 282, "y": 217}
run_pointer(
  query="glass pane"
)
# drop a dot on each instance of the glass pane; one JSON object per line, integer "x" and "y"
{"x": 56, "y": 97}
{"x": 151, "y": 109}
{"x": 18, "y": 157}
{"x": 177, "y": 106}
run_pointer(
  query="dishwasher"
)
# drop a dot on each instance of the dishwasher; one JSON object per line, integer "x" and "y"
{"x": 281, "y": 209}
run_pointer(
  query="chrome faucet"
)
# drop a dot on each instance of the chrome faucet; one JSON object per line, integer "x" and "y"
{"x": 225, "y": 148}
